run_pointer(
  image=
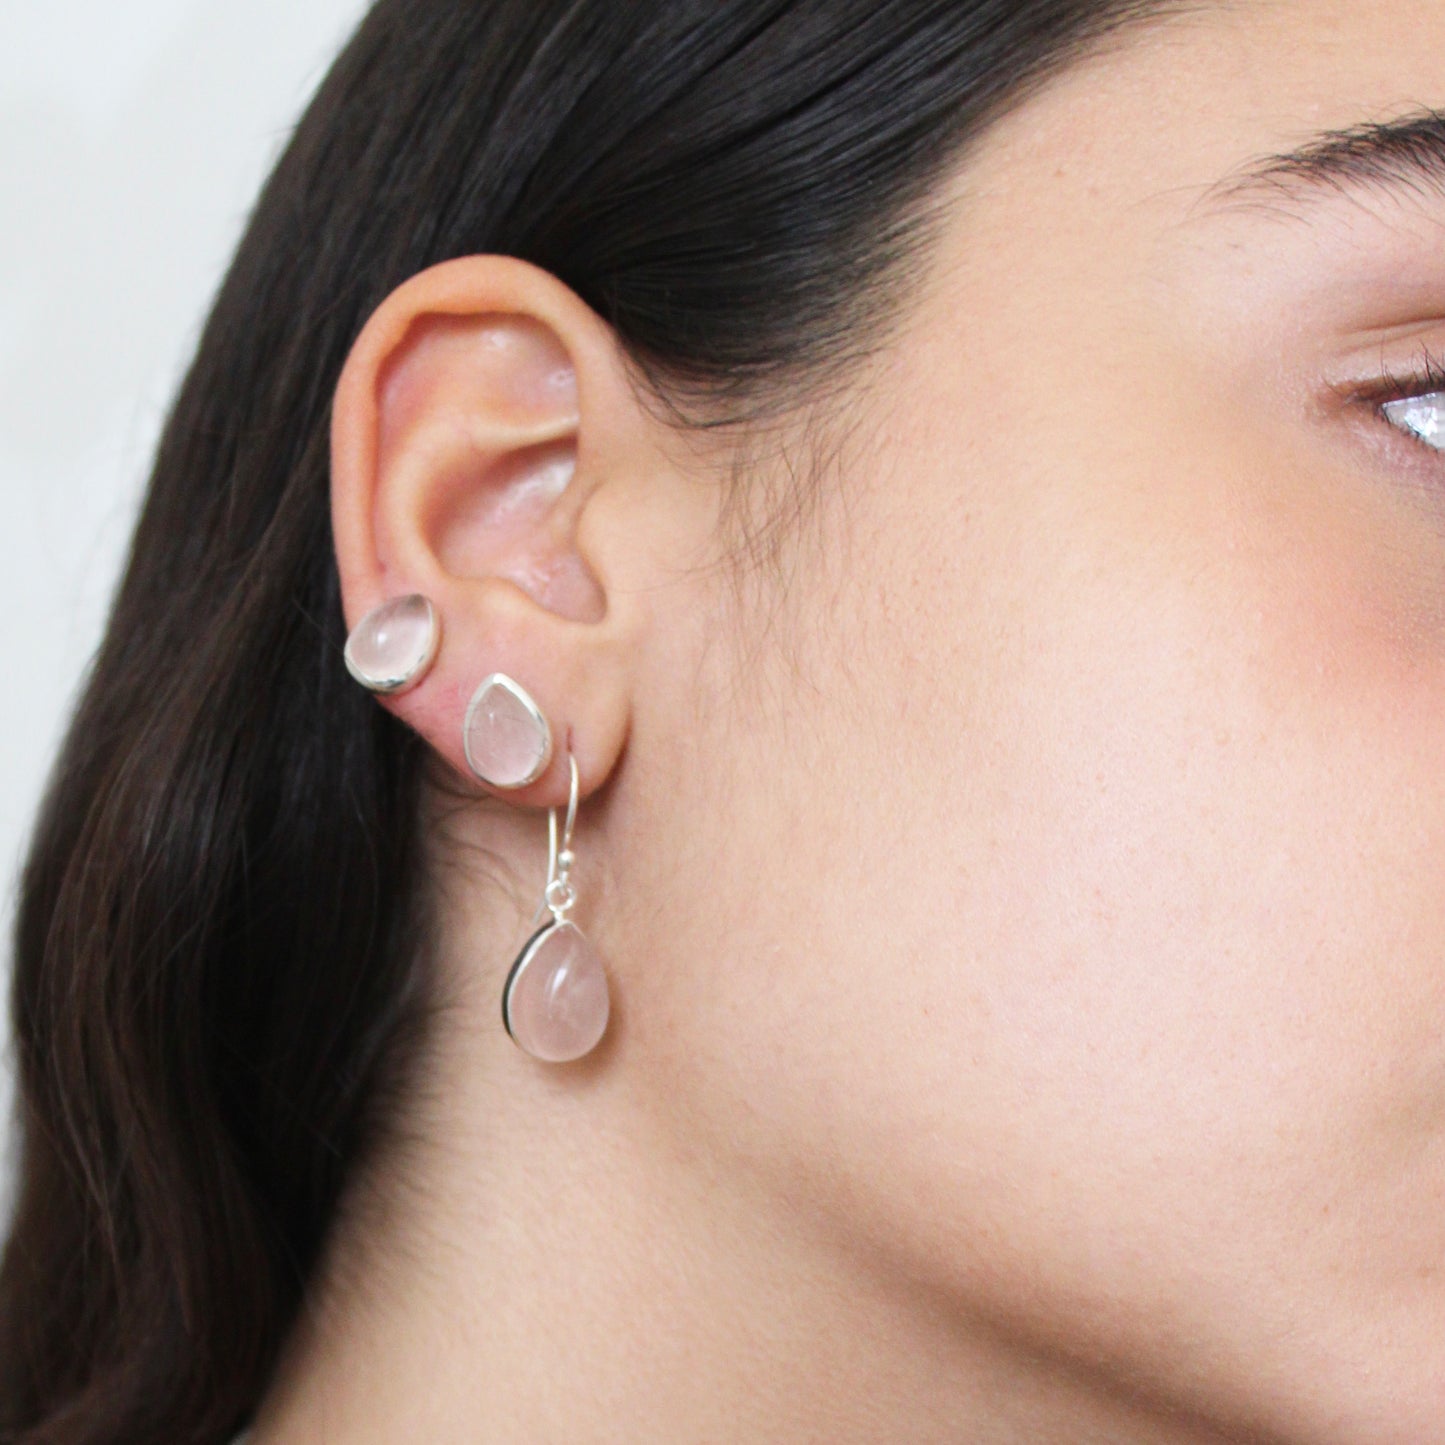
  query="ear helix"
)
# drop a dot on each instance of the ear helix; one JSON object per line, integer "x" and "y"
{"x": 556, "y": 1000}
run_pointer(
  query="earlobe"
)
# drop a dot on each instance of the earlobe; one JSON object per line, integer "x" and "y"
{"x": 463, "y": 457}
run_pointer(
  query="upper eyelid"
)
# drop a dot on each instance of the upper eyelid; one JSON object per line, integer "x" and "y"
{"x": 1424, "y": 376}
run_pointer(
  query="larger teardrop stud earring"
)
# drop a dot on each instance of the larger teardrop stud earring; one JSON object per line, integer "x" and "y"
{"x": 394, "y": 645}
{"x": 556, "y": 1001}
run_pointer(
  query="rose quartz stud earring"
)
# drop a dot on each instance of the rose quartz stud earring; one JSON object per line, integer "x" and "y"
{"x": 393, "y": 646}
{"x": 506, "y": 736}
{"x": 555, "y": 1002}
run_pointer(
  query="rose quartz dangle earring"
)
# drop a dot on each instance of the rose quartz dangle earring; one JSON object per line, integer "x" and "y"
{"x": 555, "y": 1002}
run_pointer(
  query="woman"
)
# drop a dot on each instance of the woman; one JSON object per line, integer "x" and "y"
{"x": 768, "y": 768}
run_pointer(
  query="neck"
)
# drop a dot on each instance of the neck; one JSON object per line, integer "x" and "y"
{"x": 542, "y": 1254}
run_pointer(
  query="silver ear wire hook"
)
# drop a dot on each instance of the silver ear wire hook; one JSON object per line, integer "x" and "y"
{"x": 559, "y": 895}
{"x": 559, "y": 865}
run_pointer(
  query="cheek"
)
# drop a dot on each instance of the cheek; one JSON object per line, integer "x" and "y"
{"x": 1072, "y": 933}
{"x": 1141, "y": 911}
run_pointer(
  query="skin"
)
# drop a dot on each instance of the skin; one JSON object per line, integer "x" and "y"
{"x": 1023, "y": 918}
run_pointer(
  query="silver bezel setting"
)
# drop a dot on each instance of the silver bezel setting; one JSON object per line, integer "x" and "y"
{"x": 500, "y": 679}
{"x": 392, "y": 684}
{"x": 519, "y": 964}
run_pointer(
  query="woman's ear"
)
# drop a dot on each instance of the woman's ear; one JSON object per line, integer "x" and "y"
{"x": 488, "y": 451}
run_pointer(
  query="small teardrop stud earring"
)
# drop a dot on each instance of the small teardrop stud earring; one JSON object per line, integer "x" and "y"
{"x": 506, "y": 736}
{"x": 555, "y": 1001}
{"x": 394, "y": 645}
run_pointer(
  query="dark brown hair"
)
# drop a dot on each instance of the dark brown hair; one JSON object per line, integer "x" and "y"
{"x": 221, "y": 954}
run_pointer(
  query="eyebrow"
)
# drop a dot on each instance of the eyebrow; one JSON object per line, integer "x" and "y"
{"x": 1399, "y": 157}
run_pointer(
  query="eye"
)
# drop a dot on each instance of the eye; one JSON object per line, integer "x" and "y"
{"x": 1419, "y": 416}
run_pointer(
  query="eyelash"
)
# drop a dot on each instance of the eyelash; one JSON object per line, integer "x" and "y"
{"x": 1423, "y": 383}
{"x": 1427, "y": 380}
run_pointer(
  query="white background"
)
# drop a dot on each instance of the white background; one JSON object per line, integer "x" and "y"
{"x": 134, "y": 137}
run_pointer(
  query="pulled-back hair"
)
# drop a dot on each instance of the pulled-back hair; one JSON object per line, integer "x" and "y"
{"x": 221, "y": 979}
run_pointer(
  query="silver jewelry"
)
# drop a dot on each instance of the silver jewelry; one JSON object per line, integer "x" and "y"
{"x": 506, "y": 736}
{"x": 393, "y": 647}
{"x": 556, "y": 1000}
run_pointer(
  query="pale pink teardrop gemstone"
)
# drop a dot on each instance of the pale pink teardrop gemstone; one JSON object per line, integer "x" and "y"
{"x": 393, "y": 644}
{"x": 507, "y": 741}
{"x": 558, "y": 1000}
